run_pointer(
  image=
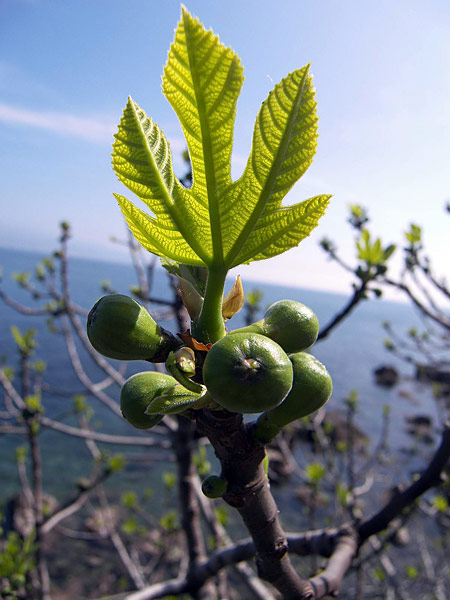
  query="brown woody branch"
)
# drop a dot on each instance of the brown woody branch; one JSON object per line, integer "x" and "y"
{"x": 249, "y": 493}
{"x": 256, "y": 587}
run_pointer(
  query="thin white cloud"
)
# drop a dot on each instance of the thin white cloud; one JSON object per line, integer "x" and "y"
{"x": 86, "y": 128}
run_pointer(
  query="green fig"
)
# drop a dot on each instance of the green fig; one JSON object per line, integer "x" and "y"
{"x": 138, "y": 392}
{"x": 311, "y": 389}
{"x": 291, "y": 324}
{"x": 119, "y": 327}
{"x": 247, "y": 373}
{"x": 214, "y": 486}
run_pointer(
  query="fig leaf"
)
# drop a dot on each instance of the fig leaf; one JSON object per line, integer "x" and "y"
{"x": 173, "y": 400}
{"x": 218, "y": 223}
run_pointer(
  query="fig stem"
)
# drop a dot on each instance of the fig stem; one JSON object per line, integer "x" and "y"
{"x": 209, "y": 327}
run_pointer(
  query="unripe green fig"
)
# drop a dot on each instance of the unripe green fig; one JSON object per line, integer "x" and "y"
{"x": 119, "y": 327}
{"x": 291, "y": 324}
{"x": 138, "y": 392}
{"x": 311, "y": 389}
{"x": 247, "y": 373}
{"x": 214, "y": 486}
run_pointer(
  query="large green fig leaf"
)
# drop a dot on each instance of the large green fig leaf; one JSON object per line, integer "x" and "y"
{"x": 284, "y": 144}
{"x": 217, "y": 222}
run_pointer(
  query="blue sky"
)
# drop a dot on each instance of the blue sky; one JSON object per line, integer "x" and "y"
{"x": 381, "y": 71}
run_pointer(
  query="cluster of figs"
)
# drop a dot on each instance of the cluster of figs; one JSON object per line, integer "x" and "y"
{"x": 262, "y": 368}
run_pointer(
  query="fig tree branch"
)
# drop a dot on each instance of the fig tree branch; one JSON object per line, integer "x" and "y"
{"x": 249, "y": 493}
{"x": 430, "y": 477}
{"x": 356, "y": 297}
{"x": 74, "y": 504}
{"x": 256, "y": 587}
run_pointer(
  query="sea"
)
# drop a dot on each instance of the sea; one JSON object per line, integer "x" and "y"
{"x": 351, "y": 353}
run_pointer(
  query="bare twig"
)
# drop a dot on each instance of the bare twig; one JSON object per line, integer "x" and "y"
{"x": 74, "y": 504}
{"x": 438, "y": 317}
{"x": 429, "y": 478}
{"x": 357, "y": 296}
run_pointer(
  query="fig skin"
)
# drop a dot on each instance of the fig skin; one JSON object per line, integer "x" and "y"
{"x": 291, "y": 324}
{"x": 214, "y": 486}
{"x": 137, "y": 393}
{"x": 247, "y": 373}
{"x": 311, "y": 389}
{"x": 119, "y": 327}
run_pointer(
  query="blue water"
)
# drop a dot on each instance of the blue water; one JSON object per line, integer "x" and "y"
{"x": 350, "y": 353}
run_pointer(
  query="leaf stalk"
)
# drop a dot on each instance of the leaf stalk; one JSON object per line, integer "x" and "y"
{"x": 209, "y": 327}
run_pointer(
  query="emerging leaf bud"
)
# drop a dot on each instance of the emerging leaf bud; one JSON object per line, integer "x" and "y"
{"x": 234, "y": 300}
{"x": 192, "y": 299}
{"x": 181, "y": 365}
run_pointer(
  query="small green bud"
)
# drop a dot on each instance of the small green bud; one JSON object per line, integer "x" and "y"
{"x": 214, "y": 486}
{"x": 18, "y": 580}
{"x": 116, "y": 463}
{"x": 129, "y": 499}
{"x": 315, "y": 472}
